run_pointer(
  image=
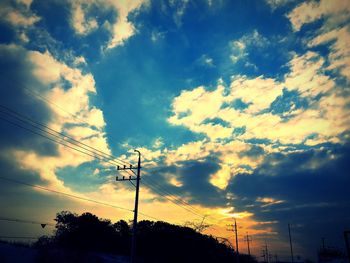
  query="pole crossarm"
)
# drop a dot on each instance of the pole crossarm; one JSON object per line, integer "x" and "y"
{"x": 128, "y": 178}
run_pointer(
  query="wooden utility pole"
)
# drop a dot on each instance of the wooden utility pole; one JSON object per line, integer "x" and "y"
{"x": 347, "y": 243}
{"x": 248, "y": 239}
{"x": 134, "y": 226}
{"x": 291, "y": 245}
{"x": 234, "y": 229}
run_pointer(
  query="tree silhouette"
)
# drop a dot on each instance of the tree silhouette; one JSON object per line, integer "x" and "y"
{"x": 157, "y": 242}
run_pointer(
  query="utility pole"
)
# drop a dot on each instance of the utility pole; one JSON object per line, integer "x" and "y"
{"x": 291, "y": 245}
{"x": 264, "y": 254}
{"x": 323, "y": 246}
{"x": 347, "y": 243}
{"x": 236, "y": 233}
{"x": 248, "y": 238}
{"x": 267, "y": 252}
{"x": 130, "y": 178}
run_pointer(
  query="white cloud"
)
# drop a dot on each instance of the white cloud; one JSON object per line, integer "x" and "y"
{"x": 308, "y": 75}
{"x": 206, "y": 61}
{"x": 21, "y": 17}
{"x": 278, "y": 3}
{"x": 259, "y": 92}
{"x": 239, "y": 46}
{"x": 80, "y": 23}
{"x": 339, "y": 56}
{"x": 197, "y": 105}
{"x": 311, "y": 11}
{"x": 268, "y": 201}
{"x": 237, "y": 51}
{"x": 332, "y": 32}
{"x": 86, "y": 121}
{"x": 121, "y": 29}
{"x": 180, "y": 9}
{"x": 157, "y": 35}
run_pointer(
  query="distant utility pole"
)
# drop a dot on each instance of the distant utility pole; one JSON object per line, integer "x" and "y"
{"x": 263, "y": 254}
{"x": 248, "y": 238}
{"x": 290, "y": 242}
{"x": 347, "y": 243}
{"x": 323, "y": 246}
{"x": 267, "y": 253}
{"x": 236, "y": 233}
{"x": 130, "y": 178}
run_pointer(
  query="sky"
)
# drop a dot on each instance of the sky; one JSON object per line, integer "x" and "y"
{"x": 240, "y": 109}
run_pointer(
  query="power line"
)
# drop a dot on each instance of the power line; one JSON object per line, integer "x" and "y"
{"x": 83, "y": 152}
{"x": 110, "y": 157}
{"x": 56, "y": 134}
{"x": 176, "y": 199}
{"x": 49, "y": 138}
{"x": 166, "y": 192}
{"x": 53, "y": 140}
{"x": 18, "y": 237}
{"x": 25, "y": 221}
{"x": 80, "y": 149}
{"x": 47, "y": 101}
{"x": 171, "y": 200}
{"x": 73, "y": 196}
{"x": 62, "y": 193}
{"x": 35, "y": 94}
{"x": 22, "y": 118}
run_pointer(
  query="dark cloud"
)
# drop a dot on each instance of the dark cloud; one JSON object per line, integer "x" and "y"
{"x": 287, "y": 102}
{"x": 314, "y": 187}
{"x": 254, "y": 152}
{"x": 194, "y": 176}
{"x": 16, "y": 79}
{"x": 216, "y": 121}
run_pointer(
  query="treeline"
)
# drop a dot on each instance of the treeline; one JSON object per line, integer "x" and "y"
{"x": 157, "y": 242}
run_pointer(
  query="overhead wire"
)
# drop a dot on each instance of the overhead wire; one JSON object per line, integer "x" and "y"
{"x": 24, "y": 221}
{"x": 72, "y": 196}
{"x": 95, "y": 152}
{"x": 35, "y": 94}
{"x": 60, "y": 135}
{"x": 165, "y": 195}
{"x": 173, "y": 200}
{"x": 166, "y": 192}
{"x": 46, "y": 134}
{"x": 17, "y": 237}
{"x": 63, "y": 193}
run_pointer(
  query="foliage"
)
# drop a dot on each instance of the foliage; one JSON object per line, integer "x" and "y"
{"x": 156, "y": 241}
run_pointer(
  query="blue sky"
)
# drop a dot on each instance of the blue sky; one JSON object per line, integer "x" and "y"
{"x": 239, "y": 108}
